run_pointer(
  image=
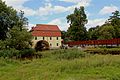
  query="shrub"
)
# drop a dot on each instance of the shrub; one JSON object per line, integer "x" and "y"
{"x": 9, "y": 53}
{"x": 26, "y": 53}
{"x": 104, "y": 51}
{"x": 2, "y": 44}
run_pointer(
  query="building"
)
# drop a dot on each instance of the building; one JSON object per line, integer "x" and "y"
{"x": 48, "y": 33}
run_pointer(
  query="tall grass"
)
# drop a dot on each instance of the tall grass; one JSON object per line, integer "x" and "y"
{"x": 64, "y": 54}
{"x": 53, "y": 66}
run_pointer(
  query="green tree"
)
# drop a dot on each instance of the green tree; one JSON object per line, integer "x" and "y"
{"x": 9, "y": 18}
{"x": 114, "y": 20}
{"x": 101, "y": 32}
{"x": 77, "y": 20}
{"x": 93, "y": 33}
{"x": 110, "y": 29}
{"x": 19, "y": 39}
{"x": 106, "y": 32}
{"x": 64, "y": 36}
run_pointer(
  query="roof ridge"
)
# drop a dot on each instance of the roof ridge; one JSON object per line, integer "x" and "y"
{"x": 46, "y": 24}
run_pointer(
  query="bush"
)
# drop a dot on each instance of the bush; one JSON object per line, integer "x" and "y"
{"x": 114, "y": 51}
{"x": 2, "y": 44}
{"x": 9, "y": 53}
{"x": 26, "y": 53}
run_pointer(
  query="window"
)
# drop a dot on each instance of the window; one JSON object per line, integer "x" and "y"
{"x": 35, "y": 38}
{"x": 57, "y": 44}
{"x": 50, "y": 38}
{"x": 57, "y": 38}
{"x": 50, "y": 44}
{"x": 43, "y": 38}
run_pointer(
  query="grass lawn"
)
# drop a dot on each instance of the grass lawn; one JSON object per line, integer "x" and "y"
{"x": 54, "y": 67}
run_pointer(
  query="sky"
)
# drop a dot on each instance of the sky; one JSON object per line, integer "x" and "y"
{"x": 54, "y": 12}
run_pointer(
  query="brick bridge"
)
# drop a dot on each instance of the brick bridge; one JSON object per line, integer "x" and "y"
{"x": 108, "y": 42}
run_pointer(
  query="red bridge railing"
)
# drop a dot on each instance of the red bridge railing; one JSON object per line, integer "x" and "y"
{"x": 95, "y": 42}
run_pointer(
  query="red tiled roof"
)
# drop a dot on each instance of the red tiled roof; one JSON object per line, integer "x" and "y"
{"x": 46, "y": 33}
{"x": 46, "y": 27}
{"x": 46, "y": 30}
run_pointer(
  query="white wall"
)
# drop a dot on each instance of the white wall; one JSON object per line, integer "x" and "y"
{"x": 53, "y": 41}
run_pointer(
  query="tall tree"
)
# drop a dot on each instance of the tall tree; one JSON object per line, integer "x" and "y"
{"x": 8, "y": 19}
{"x": 77, "y": 20}
{"x": 114, "y": 20}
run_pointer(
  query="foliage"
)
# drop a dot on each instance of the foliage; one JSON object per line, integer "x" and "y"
{"x": 19, "y": 39}
{"x": 106, "y": 32}
{"x": 9, "y": 53}
{"x": 114, "y": 20}
{"x": 64, "y": 36}
{"x": 10, "y": 18}
{"x": 104, "y": 51}
{"x": 102, "y": 32}
{"x": 110, "y": 29}
{"x": 17, "y": 54}
{"x": 93, "y": 33}
{"x": 13, "y": 35}
{"x": 27, "y": 53}
{"x": 77, "y": 21}
{"x": 2, "y": 45}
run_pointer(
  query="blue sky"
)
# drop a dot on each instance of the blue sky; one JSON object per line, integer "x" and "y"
{"x": 55, "y": 11}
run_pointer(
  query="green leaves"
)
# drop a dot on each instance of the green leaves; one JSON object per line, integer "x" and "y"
{"x": 77, "y": 21}
{"x": 110, "y": 29}
{"x": 10, "y": 18}
{"x": 19, "y": 39}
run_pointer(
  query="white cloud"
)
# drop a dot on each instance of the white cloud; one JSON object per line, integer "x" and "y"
{"x": 64, "y": 26}
{"x": 77, "y": 1}
{"x": 15, "y": 3}
{"x": 61, "y": 23}
{"x": 30, "y": 26}
{"x": 18, "y": 5}
{"x": 95, "y": 22}
{"x": 48, "y": 9}
{"x": 108, "y": 9}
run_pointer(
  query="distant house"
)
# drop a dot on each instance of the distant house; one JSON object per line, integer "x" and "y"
{"x": 48, "y": 33}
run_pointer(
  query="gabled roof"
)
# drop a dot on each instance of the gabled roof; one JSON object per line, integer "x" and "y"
{"x": 45, "y": 30}
{"x": 46, "y": 27}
